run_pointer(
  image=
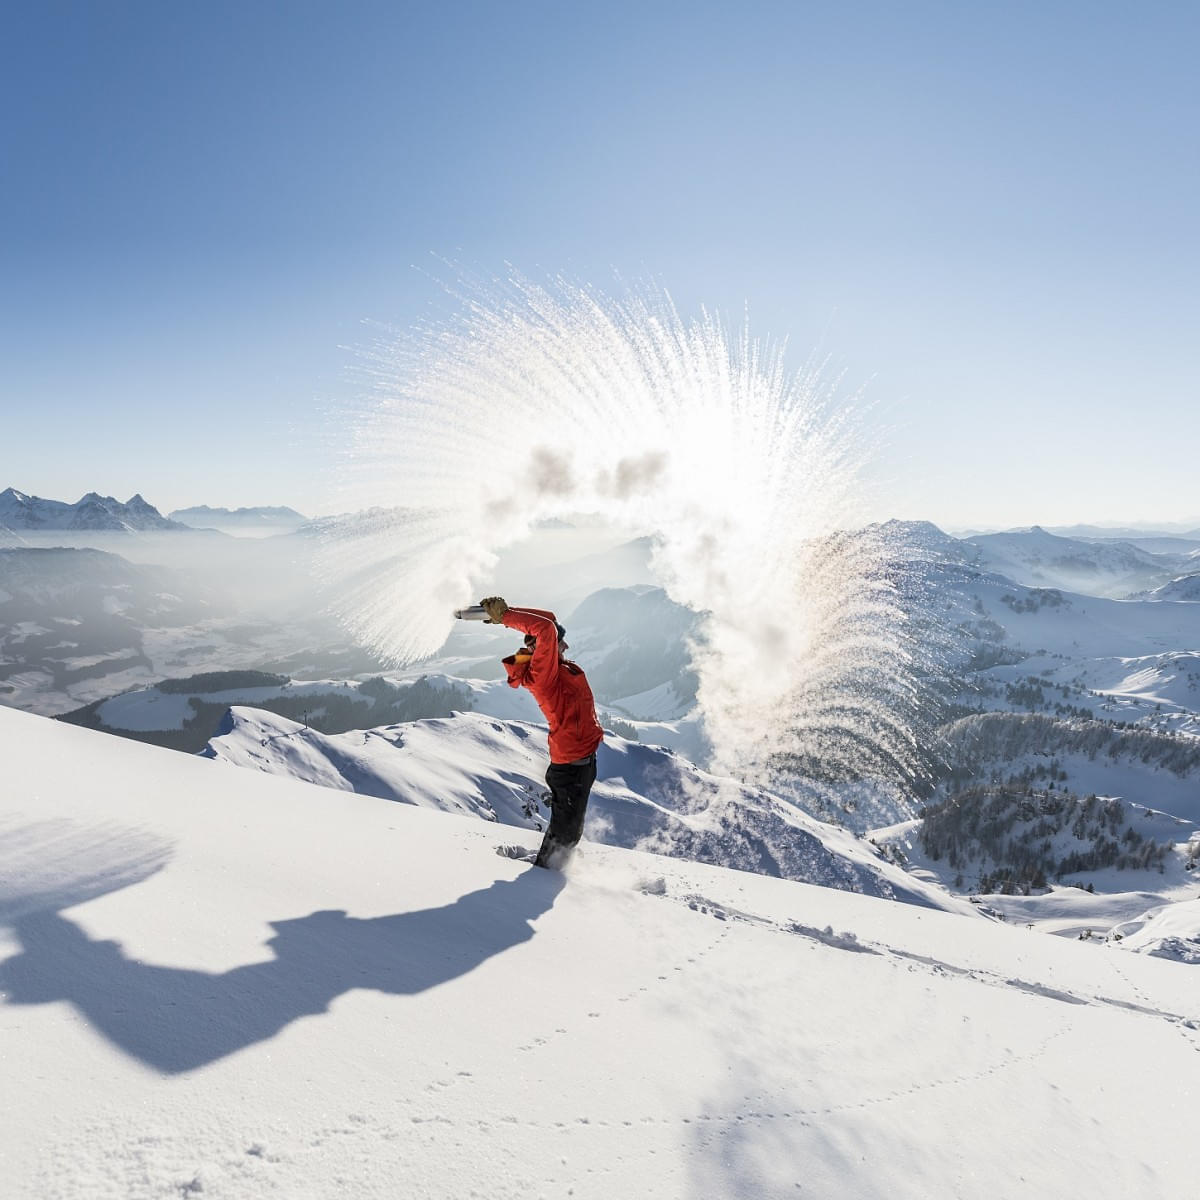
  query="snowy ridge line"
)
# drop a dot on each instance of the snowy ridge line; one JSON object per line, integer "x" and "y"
{"x": 851, "y": 942}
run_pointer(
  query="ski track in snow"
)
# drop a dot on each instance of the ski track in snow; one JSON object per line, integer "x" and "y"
{"x": 851, "y": 942}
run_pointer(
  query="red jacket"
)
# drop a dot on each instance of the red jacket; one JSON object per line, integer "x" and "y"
{"x": 560, "y": 687}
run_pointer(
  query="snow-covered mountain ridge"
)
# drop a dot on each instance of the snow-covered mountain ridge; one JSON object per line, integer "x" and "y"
{"x": 1184, "y": 588}
{"x": 1112, "y": 567}
{"x": 1040, "y": 559}
{"x": 219, "y": 983}
{"x": 19, "y": 511}
{"x": 1132, "y": 658}
{"x": 645, "y": 797}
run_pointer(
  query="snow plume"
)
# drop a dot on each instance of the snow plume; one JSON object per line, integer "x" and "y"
{"x": 537, "y": 402}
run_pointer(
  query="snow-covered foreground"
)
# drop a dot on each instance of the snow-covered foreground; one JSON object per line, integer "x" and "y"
{"x": 215, "y": 982}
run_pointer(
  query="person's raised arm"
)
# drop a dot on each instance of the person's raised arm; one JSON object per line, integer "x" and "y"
{"x": 537, "y": 623}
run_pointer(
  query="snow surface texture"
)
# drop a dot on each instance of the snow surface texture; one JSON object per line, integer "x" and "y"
{"x": 238, "y": 987}
{"x": 536, "y": 403}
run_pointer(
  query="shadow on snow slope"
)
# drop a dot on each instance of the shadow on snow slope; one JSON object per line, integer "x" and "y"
{"x": 177, "y": 1019}
{"x": 52, "y": 864}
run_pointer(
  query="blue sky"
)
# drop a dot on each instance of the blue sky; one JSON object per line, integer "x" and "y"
{"x": 986, "y": 213}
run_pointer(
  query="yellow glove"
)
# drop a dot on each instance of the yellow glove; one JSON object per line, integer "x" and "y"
{"x": 495, "y": 608}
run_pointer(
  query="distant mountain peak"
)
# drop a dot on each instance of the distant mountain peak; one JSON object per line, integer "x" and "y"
{"x": 92, "y": 512}
{"x": 259, "y": 520}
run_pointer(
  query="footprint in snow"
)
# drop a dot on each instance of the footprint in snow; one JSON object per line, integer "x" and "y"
{"x": 520, "y": 853}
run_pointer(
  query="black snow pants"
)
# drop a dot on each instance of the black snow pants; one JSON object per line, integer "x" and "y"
{"x": 570, "y": 785}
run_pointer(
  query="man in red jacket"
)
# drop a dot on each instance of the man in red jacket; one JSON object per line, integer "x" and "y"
{"x": 561, "y": 689}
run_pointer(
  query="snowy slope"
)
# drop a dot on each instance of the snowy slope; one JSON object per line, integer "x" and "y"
{"x": 1167, "y": 930}
{"x": 645, "y": 797}
{"x": 1070, "y": 624}
{"x": 1070, "y": 635}
{"x": 1118, "y": 897}
{"x": 217, "y": 983}
{"x": 1157, "y": 771}
{"x": 1131, "y": 660}
{"x": 1185, "y": 588}
{"x": 1040, "y": 559}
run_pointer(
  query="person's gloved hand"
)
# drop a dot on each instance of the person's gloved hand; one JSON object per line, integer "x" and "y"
{"x": 495, "y": 608}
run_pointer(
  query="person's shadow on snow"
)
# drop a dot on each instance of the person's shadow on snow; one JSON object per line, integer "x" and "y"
{"x": 176, "y": 1019}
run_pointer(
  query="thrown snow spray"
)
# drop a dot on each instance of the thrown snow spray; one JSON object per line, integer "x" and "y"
{"x": 542, "y": 401}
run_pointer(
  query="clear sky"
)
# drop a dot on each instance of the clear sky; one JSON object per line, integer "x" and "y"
{"x": 988, "y": 213}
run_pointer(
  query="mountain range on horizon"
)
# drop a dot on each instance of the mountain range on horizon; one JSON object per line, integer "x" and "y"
{"x": 92, "y": 512}
{"x": 256, "y": 518}
{"x": 25, "y": 511}
{"x": 1187, "y": 530}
